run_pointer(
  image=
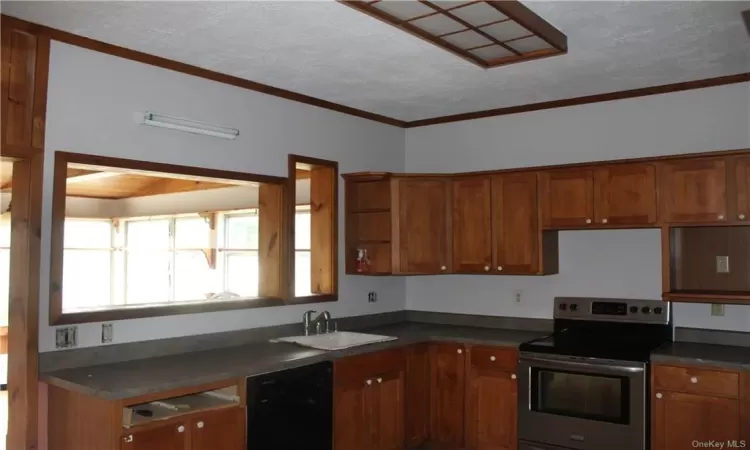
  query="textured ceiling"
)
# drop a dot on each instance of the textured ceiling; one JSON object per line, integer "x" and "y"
{"x": 327, "y": 50}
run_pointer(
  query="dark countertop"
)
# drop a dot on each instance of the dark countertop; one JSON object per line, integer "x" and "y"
{"x": 692, "y": 354}
{"x": 145, "y": 376}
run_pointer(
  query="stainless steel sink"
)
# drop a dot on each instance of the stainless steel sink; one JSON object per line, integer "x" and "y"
{"x": 336, "y": 341}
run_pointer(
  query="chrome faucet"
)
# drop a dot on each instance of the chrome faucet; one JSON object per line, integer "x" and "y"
{"x": 325, "y": 316}
{"x": 306, "y": 319}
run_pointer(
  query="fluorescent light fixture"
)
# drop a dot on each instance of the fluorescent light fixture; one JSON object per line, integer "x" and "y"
{"x": 190, "y": 126}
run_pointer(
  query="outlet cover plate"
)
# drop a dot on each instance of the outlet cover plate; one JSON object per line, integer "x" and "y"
{"x": 66, "y": 337}
{"x": 717, "y": 309}
{"x": 107, "y": 333}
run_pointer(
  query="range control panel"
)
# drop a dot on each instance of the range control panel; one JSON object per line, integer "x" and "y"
{"x": 645, "y": 311}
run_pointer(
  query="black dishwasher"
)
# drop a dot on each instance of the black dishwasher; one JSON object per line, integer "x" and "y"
{"x": 291, "y": 409}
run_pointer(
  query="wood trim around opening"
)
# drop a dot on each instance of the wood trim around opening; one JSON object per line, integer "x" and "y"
{"x": 56, "y": 315}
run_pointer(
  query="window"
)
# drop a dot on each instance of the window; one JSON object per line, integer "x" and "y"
{"x": 88, "y": 262}
{"x": 302, "y": 266}
{"x": 240, "y": 255}
{"x": 4, "y": 268}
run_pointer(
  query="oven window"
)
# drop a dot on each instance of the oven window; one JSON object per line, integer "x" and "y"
{"x": 584, "y": 395}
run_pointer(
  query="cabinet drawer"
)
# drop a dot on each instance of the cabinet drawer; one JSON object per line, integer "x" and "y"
{"x": 502, "y": 358}
{"x": 359, "y": 368}
{"x": 698, "y": 381}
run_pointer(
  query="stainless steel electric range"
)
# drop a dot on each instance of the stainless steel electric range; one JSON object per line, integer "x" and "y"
{"x": 585, "y": 387}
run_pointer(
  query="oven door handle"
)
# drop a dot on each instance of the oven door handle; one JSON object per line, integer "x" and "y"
{"x": 609, "y": 366}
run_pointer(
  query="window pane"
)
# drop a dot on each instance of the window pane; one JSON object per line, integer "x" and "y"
{"x": 302, "y": 231}
{"x": 193, "y": 278}
{"x": 147, "y": 279}
{"x": 5, "y": 231}
{"x": 86, "y": 279}
{"x": 4, "y": 286}
{"x": 147, "y": 234}
{"x": 302, "y": 282}
{"x": 88, "y": 233}
{"x": 191, "y": 232}
{"x": 241, "y": 232}
{"x": 242, "y": 274}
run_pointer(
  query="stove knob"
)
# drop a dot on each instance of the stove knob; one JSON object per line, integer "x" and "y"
{"x": 633, "y": 309}
{"x": 563, "y": 306}
{"x": 658, "y": 310}
{"x": 573, "y": 307}
{"x": 645, "y": 310}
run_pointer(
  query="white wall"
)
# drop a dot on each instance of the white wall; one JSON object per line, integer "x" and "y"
{"x": 621, "y": 263}
{"x": 91, "y": 104}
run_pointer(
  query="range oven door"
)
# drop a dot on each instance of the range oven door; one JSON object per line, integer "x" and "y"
{"x": 582, "y": 403}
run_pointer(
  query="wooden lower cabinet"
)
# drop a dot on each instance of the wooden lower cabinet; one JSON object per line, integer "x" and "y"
{"x": 171, "y": 436}
{"x": 447, "y": 394}
{"x": 352, "y": 417}
{"x": 417, "y": 395}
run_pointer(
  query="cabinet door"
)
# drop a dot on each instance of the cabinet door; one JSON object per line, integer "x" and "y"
{"x": 742, "y": 186}
{"x": 25, "y": 59}
{"x": 221, "y": 429}
{"x": 423, "y": 226}
{"x": 472, "y": 232}
{"x": 352, "y": 417}
{"x": 173, "y": 436}
{"x": 567, "y": 198}
{"x": 491, "y": 411}
{"x": 693, "y": 190}
{"x": 417, "y": 396}
{"x": 515, "y": 224}
{"x": 388, "y": 408}
{"x": 447, "y": 394}
{"x": 681, "y": 419}
{"x": 625, "y": 195}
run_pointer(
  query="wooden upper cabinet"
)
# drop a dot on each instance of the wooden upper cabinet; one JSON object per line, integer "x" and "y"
{"x": 171, "y": 436}
{"x": 25, "y": 63}
{"x": 423, "y": 225}
{"x": 625, "y": 194}
{"x": 742, "y": 187}
{"x": 567, "y": 198}
{"x": 680, "y": 419}
{"x": 693, "y": 190}
{"x": 515, "y": 224}
{"x": 447, "y": 394}
{"x": 472, "y": 225}
{"x": 220, "y": 429}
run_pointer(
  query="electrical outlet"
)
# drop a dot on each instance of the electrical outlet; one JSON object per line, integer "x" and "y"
{"x": 66, "y": 337}
{"x": 517, "y": 295}
{"x": 717, "y": 309}
{"x": 722, "y": 264}
{"x": 372, "y": 296}
{"x": 107, "y": 333}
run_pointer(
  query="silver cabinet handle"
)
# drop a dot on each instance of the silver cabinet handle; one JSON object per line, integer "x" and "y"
{"x": 513, "y": 376}
{"x": 181, "y": 429}
{"x": 588, "y": 220}
{"x": 129, "y": 438}
{"x": 380, "y": 380}
{"x": 459, "y": 351}
{"x": 499, "y": 268}
{"x": 486, "y": 268}
{"x": 658, "y": 395}
{"x": 369, "y": 382}
{"x": 741, "y": 216}
{"x": 492, "y": 358}
{"x": 604, "y": 221}
{"x": 721, "y": 216}
{"x": 693, "y": 380}
{"x": 200, "y": 424}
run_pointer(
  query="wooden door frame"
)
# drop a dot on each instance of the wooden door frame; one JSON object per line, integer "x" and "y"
{"x": 23, "y": 318}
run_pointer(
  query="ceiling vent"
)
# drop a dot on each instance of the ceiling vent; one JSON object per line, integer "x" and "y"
{"x": 486, "y": 33}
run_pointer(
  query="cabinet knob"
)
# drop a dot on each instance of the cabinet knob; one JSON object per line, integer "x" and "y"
{"x": 741, "y": 216}
{"x": 492, "y": 358}
{"x": 658, "y": 395}
{"x": 200, "y": 424}
{"x": 721, "y": 216}
{"x": 486, "y": 268}
{"x": 513, "y": 376}
{"x": 588, "y": 220}
{"x": 693, "y": 380}
{"x": 181, "y": 429}
{"x": 369, "y": 382}
{"x": 459, "y": 351}
{"x": 443, "y": 268}
{"x": 499, "y": 268}
{"x": 380, "y": 380}
{"x": 129, "y": 438}
{"x": 605, "y": 220}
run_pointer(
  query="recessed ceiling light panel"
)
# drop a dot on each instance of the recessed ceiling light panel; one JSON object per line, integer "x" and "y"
{"x": 486, "y": 33}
